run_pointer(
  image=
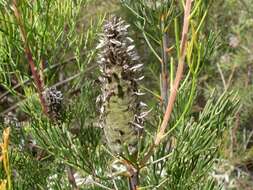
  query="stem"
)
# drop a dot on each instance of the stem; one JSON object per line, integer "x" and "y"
{"x": 37, "y": 79}
{"x": 133, "y": 178}
{"x": 179, "y": 74}
{"x": 222, "y": 76}
{"x": 71, "y": 177}
{"x": 164, "y": 67}
{"x": 174, "y": 89}
{"x": 134, "y": 181}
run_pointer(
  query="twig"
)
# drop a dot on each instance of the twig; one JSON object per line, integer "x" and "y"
{"x": 231, "y": 76}
{"x": 66, "y": 80}
{"x": 249, "y": 138}
{"x": 37, "y": 79}
{"x": 222, "y": 76}
{"x": 134, "y": 180}
{"x": 160, "y": 159}
{"x": 71, "y": 178}
{"x": 164, "y": 67}
{"x": 174, "y": 89}
{"x": 115, "y": 185}
{"x": 179, "y": 73}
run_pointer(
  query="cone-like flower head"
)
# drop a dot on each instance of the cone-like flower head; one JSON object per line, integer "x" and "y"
{"x": 120, "y": 105}
{"x": 53, "y": 100}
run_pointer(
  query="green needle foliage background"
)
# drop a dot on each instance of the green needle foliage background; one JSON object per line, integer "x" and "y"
{"x": 72, "y": 152}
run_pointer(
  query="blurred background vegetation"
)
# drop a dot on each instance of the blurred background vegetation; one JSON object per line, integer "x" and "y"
{"x": 66, "y": 49}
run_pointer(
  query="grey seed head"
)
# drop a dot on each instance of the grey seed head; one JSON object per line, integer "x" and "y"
{"x": 54, "y": 100}
{"x": 119, "y": 101}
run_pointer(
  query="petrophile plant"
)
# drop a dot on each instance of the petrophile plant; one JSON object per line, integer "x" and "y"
{"x": 103, "y": 108}
{"x": 121, "y": 116}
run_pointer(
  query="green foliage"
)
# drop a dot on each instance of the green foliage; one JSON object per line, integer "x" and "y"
{"x": 52, "y": 35}
{"x": 233, "y": 68}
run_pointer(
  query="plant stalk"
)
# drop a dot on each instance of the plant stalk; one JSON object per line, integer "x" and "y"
{"x": 175, "y": 87}
{"x": 164, "y": 67}
{"x": 37, "y": 79}
{"x": 134, "y": 181}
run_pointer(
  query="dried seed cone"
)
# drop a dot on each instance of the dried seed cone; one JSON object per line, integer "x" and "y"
{"x": 120, "y": 105}
{"x": 53, "y": 99}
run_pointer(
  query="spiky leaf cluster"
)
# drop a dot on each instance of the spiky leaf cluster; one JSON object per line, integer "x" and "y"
{"x": 120, "y": 109}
